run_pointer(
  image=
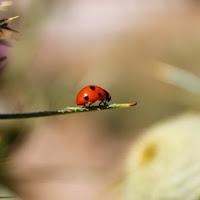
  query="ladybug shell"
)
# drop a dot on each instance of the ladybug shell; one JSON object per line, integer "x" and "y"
{"x": 90, "y": 93}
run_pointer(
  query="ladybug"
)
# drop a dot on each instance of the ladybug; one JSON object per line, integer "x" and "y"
{"x": 92, "y": 93}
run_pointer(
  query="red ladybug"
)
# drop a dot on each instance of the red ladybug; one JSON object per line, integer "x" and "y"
{"x": 92, "y": 93}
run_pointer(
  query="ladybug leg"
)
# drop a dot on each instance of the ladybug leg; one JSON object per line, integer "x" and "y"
{"x": 105, "y": 102}
{"x": 90, "y": 104}
{"x": 101, "y": 102}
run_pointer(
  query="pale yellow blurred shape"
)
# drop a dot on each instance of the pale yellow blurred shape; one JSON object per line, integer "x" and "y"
{"x": 165, "y": 162}
{"x": 5, "y": 4}
{"x": 178, "y": 77}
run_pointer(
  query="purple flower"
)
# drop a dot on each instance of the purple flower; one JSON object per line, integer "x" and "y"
{"x": 3, "y": 55}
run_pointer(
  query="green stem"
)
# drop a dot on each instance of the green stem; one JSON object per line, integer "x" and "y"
{"x": 66, "y": 110}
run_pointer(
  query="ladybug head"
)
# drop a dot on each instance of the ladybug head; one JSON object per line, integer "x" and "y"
{"x": 108, "y": 97}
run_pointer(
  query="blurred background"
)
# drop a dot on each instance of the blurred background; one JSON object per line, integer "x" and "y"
{"x": 131, "y": 48}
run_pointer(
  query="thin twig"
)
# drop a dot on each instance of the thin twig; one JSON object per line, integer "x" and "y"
{"x": 66, "y": 110}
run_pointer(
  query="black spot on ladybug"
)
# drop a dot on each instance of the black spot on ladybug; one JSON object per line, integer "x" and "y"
{"x": 86, "y": 97}
{"x": 92, "y": 87}
{"x": 99, "y": 94}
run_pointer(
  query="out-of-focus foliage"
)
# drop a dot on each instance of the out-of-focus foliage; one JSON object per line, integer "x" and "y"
{"x": 5, "y": 22}
{"x": 7, "y": 194}
{"x": 65, "y": 45}
{"x": 6, "y": 34}
{"x": 9, "y": 136}
{"x": 165, "y": 162}
{"x": 5, "y": 4}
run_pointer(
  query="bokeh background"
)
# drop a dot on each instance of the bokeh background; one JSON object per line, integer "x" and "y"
{"x": 126, "y": 47}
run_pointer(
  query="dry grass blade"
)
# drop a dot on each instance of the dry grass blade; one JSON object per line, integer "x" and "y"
{"x": 66, "y": 110}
